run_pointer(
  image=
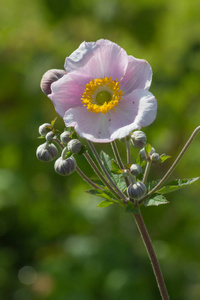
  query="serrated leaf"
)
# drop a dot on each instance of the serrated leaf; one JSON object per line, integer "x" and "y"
{"x": 105, "y": 203}
{"x": 176, "y": 184}
{"x": 130, "y": 208}
{"x": 156, "y": 200}
{"x": 164, "y": 157}
{"x": 148, "y": 149}
{"x": 118, "y": 179}
{"x": 115, "y": 168}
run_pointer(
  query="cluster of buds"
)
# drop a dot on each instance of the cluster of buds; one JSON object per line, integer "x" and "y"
{"x": 66, "y": 163}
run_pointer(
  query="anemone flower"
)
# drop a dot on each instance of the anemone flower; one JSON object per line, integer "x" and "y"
{"x": 104, "y": 93}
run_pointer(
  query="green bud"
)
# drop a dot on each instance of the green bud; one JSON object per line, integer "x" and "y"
{"x": 65, "y": 137}
{"x": 74, "y": 146}
{"x": 44, "y": 129}
{"x": 138, "y": 139}
{"x": 65, "y": 167}
{"x": 135, "y": 169}
{"x": 46, "y": 152}
{"x": 136, "y": 190}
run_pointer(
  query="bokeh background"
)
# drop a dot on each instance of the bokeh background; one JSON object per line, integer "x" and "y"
{"x": 55, "y": 243}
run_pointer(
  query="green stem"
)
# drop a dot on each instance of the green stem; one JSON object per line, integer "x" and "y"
{"x": 172, "y": 168}
{"x": 152, "y": 255}
{"x": 88, "y": 180}
{"x": 122, "y": 196}
{"x": 128, "y": 150}
{"x": 146, "y": 172}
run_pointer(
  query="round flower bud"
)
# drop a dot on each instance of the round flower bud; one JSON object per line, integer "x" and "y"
{"x": 136, "y": 190}
{"x": 65, "y": 137}
{"x": 65, "y": 166}
{"x": 135, "y": 169}
{"x": 126, "y": 173}
{"x": 46, "y": 152}
{"x": 49, "y": 77}
{"x": 138, "y": 139}
{"x": 44, "y": 128}
{"x": 155, "y": 157}
{"x": 74, "y": 146}
{"x": 143, "y": 154}
{"x": 49, "y": 136}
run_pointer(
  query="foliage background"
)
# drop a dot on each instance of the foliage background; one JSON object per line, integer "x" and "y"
{"x": 55, "y": 243}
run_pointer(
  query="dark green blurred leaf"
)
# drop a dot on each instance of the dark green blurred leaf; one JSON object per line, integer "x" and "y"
{"x": 105, "y": 203}
{"x": 140, "y": 161}
{"x": 130, "y": 208}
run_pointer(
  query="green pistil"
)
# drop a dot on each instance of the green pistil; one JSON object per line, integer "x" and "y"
{"x": 103, "y": 97}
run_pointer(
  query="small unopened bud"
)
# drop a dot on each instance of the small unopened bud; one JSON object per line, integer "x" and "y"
{"x": 65, "y": 137}
{"x": 155, "y": 157}
{"x": 126, "y": 173}
{"x": 74, "y": 146}
{"x": 49, "y": 77}
{"x": 46, "y": 152}
{"x": 135, "y": 169}
{"x": 138, "y": 139}
{"x": 136, "y": 190}
{"x": 65, "y": 166}
{"x": 49, "y": 136}
{"x": 44, "y": 128}
{"x": 143, "y": 153}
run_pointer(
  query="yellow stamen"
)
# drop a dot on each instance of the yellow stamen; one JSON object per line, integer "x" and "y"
{"x": 101, "y": 95}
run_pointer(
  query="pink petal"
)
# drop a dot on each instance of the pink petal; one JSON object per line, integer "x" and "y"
{"x": 101, "y": 59}
{"x": 89, "y": 125}
{"x": 66, "y": 93}
{"x": 138, "y": 75}
{"x": 136, "y": 110}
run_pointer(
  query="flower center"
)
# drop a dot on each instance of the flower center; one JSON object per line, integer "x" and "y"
{"x": 101, "y": 95}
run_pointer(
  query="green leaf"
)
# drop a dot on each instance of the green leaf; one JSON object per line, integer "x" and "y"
{"x": 148, "y": 149}
{"x": 130, "y": 208}
{"x": 105, "y": 203}
{"x": 53, "y": 122}
{"x": 117, "y": 178}
{"x": 106, "y": 194}
{"x": 115, "y": 168}
{"x": 140, "y": 161}
{"x": 164, "y": 157}
{"x": 83, "y": 149}
{"x": 156, "y": 200}
{"x": 176, "y": 184}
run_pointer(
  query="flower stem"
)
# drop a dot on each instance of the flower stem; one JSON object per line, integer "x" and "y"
{"x": 88, "y": 180}
{"x": 128, "y": 150}
{"x": 146, "y": 172}
{"x": 152, "y": 256}
{"x": 119, "y": 192}
{"x": 173, "y": 166}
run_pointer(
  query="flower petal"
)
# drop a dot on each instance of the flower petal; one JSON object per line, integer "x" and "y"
{"x": 136, "y": 110}
{"x": 66, "y": 93}
{"x": 101, "y": 59}
{"x": 138, "y": 75}
{"x": 89, "y": 125}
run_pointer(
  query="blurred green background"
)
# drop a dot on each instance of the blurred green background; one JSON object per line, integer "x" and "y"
{"x": 55, "y": 243}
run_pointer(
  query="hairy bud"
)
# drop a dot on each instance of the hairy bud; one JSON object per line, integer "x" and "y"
{"x": 135, "y": 169}
{"x": 65, "y": 166}
{"x": 44, "y": 129}
{"x": 46, "y": 152}
{"x": 136, "y": 190}
{"x": 74, "y": 146}
{"x": 138, "y": 139}
{"x": 49, "y": 77}
{"x": 65, "y": 137}
{"x": 155, "y": 157}
{"x": 49, "y": 136}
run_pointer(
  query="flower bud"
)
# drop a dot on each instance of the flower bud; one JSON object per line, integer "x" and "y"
{"x": 46, "y": 152}
{"x": 138, "y": 139}
{"x": 136, "y": 190}
{"x": 65, "y": 166}
{"x": 74, "y": 146}
{"x": 126, "y": 173}
{"x": 44, "y": 128}
{"x": 155, "y": 157}
{"x": 135, "y": 169}
{"x": 65, "y": 137}
{"x": 49, "y": 136}
{"x": 49, "y": 77}
{"x": 143, "y": 153}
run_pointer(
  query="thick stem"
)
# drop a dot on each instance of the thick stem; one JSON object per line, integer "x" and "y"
{"x": 172, "y": 168}
{"x": 152, "y": 256}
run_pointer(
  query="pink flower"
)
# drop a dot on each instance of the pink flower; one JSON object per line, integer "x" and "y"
{"x": 104, "y": 93}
